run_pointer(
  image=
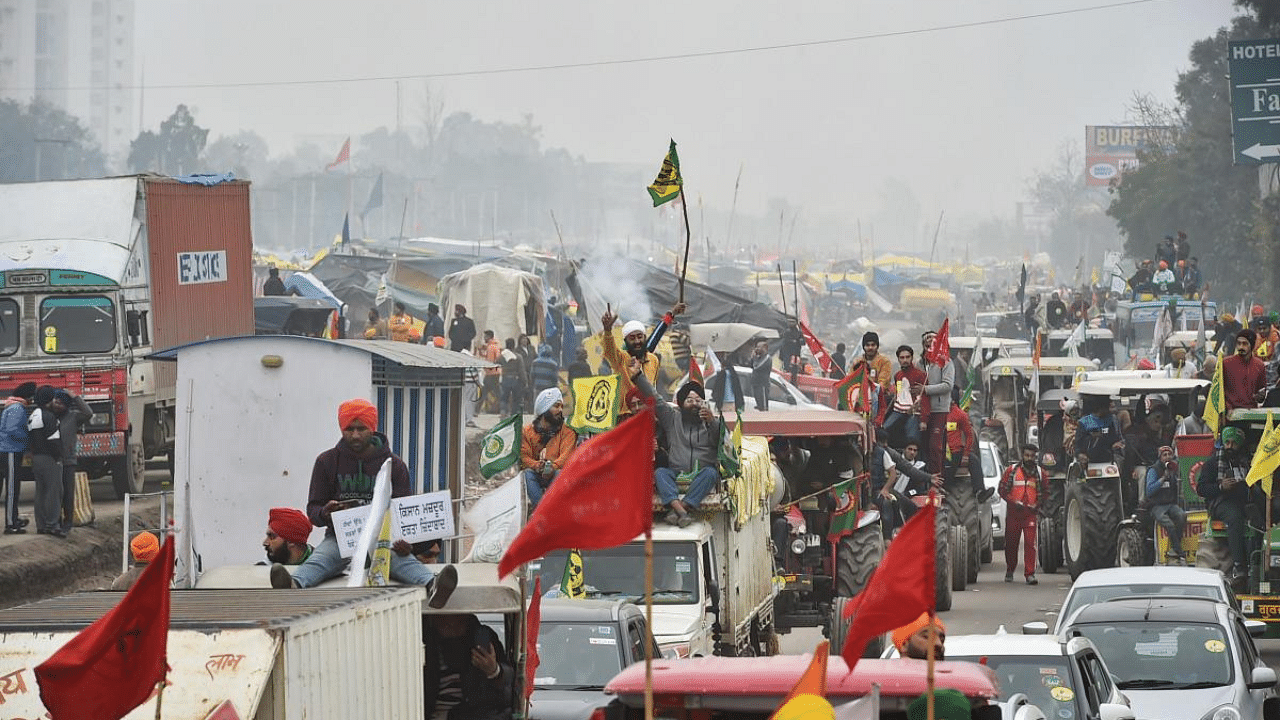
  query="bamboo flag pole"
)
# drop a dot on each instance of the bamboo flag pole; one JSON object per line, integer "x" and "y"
{"x": 684, "y": 267}
{"x": 648, "y": 632}
{"x": 928, "y": 678}
{"x": 782, "y": 287}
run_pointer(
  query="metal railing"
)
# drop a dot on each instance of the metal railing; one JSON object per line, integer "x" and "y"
{"x": 162, "y": 531}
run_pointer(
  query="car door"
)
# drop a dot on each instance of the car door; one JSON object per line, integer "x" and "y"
{"x": 1090, "y": 685}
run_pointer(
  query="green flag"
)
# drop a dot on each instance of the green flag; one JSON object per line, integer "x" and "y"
{"x": 500, "y": 448}
{"x": 730, "y": 448}
{"x": 666, "y": 187}
{"x": 572, "y": 582}
{"x": 844, "y": 518}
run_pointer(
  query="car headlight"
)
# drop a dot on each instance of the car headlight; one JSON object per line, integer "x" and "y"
{"x": 797, "y": 546}
{"x": 673, "y": 652}
{"x": 1222, "y": 712}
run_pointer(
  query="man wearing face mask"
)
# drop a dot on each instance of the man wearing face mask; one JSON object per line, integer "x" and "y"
{"x": 692, "y": 448}
{"x": 1223, "y": 488}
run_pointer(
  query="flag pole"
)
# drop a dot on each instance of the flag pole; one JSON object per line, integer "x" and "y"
{"x": 159, "y": 696}
{"x": 684, "y": 268}
{"x": 783, "y": 288}
{"x": 648, "y": 630}
{"x": 524, "y": 633}
{"x": 1266, "y": 546}
{"x": 929, "y": 663}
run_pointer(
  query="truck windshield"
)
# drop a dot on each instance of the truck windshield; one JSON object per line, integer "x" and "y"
{"x": 618, "y": 573}
{"x": 579, "y": 655}
{"x": 83, "y": 324}
{"x": 8, "y": 326}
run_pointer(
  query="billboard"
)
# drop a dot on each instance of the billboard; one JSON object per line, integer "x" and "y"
{"x": 1111, "y": 150}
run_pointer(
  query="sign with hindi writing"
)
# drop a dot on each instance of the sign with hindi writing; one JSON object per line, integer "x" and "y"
{"x": 422, "y": 517}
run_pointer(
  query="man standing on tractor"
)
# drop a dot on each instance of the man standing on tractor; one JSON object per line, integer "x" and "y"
{"x": 1021, "y": 487}
{"x": 1163, "y": 491}
{"x": 939, "y": 380}
{"x": 962, "y": 446}
{"x": 1244, "y": 376}
{"x": 1223, "y": 488}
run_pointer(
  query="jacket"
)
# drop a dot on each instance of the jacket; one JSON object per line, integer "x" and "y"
{"x": 559, "y": 447}
{"x": 619, "y": 361}
{"x": 13, "y": 426}
{"x": 44, "y": 433}
{"x": 1016, "y": 487}
{"x": 69, "y": 423}
{"x": 689, "y": 444}
{"x": 462, "y": 330}
{"x": 435, "y": 328}
{"x": 960, "y": 436}
{"x": 340, "y": 474}
{"x": 883, "y": 367}
{"x": 1161, "y": 490}
{"x": 761, "y": 370}
{"x": 546, "y": 371}
{"x": 938, "y": 384}
{"x": 1212, "y": 473}
{"x": 482, "y": 698}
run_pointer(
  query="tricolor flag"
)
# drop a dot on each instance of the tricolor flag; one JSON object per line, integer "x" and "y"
{"x": 500, "y": 447}
{"x": 666, "y": 187}
{"x": 343, "y": 155}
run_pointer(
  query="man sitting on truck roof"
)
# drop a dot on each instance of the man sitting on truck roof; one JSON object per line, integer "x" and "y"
{"x": 343, "y": 477}
{"x": 286, "y": 537}
{"x": 547, "y": 445}
{"x": 692, "y": 447}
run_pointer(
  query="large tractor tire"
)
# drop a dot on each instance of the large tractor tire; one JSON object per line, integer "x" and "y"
{"x": 959, "y": 540}
{"x": 1092, "y": 524}
{"x": 1133, "y": 549}
{"x": 1212, "y": 552}
{"x": 1049, "y": 543}
{"x": 129, "y": 472}
{"x": 942, "y": 564}
{"x": 963, "y": 506}
{"x": 856, "y": 557}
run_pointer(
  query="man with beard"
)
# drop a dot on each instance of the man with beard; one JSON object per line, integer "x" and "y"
{"x": 1021, "y": 487}
{"x": 286, "y": 538}
{"x": 1222, "y": 485}
{"x": 344, "y": 477}
{"x": 634, "y": 345}
{"x": 547, "y": 444}
{"x": 875, "y": 361}
{"x": 1244, "y": 376}
{"x": 913, "y": 639}
{"x": 1055, "y": 312}
{"x": 692, "y": 447}
{"x": 939, "y": 381}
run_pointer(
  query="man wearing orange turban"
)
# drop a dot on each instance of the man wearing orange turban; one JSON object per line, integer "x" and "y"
{"x": 286, "y": 537}
{"x": 144, "y": 547}
{"x": 343, "y": 477}
{"x": 912, "y": 639}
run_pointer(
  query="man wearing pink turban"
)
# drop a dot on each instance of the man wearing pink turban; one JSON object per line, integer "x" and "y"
{"x": 343, "y": 477}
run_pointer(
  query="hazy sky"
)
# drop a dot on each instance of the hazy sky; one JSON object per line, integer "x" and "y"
{"x": 964, "y": 116}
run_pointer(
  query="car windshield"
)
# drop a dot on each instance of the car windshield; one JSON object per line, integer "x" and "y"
{"x": 77, "y": 325}
{"x": 1046, "y": 680}
{"x": 1080, "y": 597}
{"x": 1162, "y": 656}
{"x": 577, "y": 655}
{"x": 618, "y": 573}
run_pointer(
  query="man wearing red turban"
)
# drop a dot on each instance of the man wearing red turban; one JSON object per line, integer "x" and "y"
{"x": 286, "y": 537}
{"x": 343, "y": 477}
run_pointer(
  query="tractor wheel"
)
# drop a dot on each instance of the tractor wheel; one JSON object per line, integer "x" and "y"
{"x": 129, "y": 472}
{"x": 959, "y": 551}
{"x": 942, "y": 565}
{"x": 963, "y": 506}
{"x": 1132, "y": 548}
{"x": 1092, "y": 524}
{"x": 1049, "y": 542}
{"x": 858, "y": 555}
{"x": 1212, "y": 552}
{"x": 839, "y": 624}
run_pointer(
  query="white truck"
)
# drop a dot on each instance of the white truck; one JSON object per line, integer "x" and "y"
{"x": 713, "y": 580}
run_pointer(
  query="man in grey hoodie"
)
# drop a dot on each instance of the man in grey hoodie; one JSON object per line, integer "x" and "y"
{"x": 939, "y": 380}
{"x": 71, "y": 410}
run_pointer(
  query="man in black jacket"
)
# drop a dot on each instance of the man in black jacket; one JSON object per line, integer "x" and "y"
{"x": 462, "y": 329}
{"x": 466, "y": 675}
{"x": 1222, "y": 486}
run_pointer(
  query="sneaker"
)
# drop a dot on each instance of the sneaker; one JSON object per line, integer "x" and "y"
{"x": 442, "y": 587}
{"x": 1008, "y": 577}
{"x": 14, "y": 530}
{"x": 280, "y": 577}
{"x": 684, "y": 520}
{"x": 1031, "y": 580}
{"x": 23, "y": 522}
{"x": 672, "y": 517}
{"x": 58, "y": 533}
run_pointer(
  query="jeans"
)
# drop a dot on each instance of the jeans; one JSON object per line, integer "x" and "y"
{"x": 534, "y": 489}
{"x": 910, "y": 426}
{"x": 704, "y": 482}
{"x": 1174, "y": 519}
{"x": 1233, "y": 515}
{"x": 13, "y": 479}
{"x": 68, "y": 494}
{"x": 326, "y": 562}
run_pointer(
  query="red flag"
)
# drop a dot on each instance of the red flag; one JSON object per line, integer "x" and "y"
{"x": 857, "y": 380}
{"x": 112, "y": 666}
{"x": 815, "y": 347}
{"x": 900, "y": 589}
{"x": 532, "y": 623}
{"x": 940, "y": 353}
{"x": 601, "y": 499}
{"x": 343, "y": 155}
{"x": 695, "y": 372}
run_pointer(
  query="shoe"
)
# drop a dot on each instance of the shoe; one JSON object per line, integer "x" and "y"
{"x": 14, "y": 530}
{"x": 280, "y": 577}
{"x": 1008, "y": 577}
{"x": 685, "y": 520}
{"x": 23, "y": 522}
{"x": 41, "y": 531}
{"x": 671, "y": 518}
{"x": 1031, "y": 580}
{"x": 442, "y": 587}
{"x": 57, "y": 532}
{"x": 986, "y": 494}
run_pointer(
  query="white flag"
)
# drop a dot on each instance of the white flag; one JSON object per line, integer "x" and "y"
{"x": 377, "y": 509}
{"x": 1076, "y": 339}
{"x": 494, "y": 520}
{"x": 863, "y": 708}
{"x": 382, "y": 290}
{"x": 712, "y": 365}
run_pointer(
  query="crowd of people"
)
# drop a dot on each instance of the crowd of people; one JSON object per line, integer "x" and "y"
{"x": 39, "y": 427}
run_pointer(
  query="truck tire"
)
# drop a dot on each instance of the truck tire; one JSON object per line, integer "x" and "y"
{"x": 857, "y": 556}
{"x": 1132, "y": 549}
{"x": 840, "y": 631}
{"x": 959, "y": 540}
{"x": 963, "y": 506}
{"x": 942, "y": 565}
{"x": 129, "y": 472}
{"x": 1049, "y": 543}
{"x": 1092, "y": 524}
{"x": 1212, "y": 552}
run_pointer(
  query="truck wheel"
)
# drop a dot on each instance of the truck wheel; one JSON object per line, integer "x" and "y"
{"x": 942, "y": 565}
{"x": 1049, "y": 541}
{"x": 129, "y": 472}
{"x": 963, "y": 506}
{"x": 959, "y": 551}
{"x": 839, "y": 625}
{"x": 1132, "y": 549}
{"x": 1212, "y": 552}
{"x": 857, "y": 556}
{"x": 1092, "y": 524}
{"x": 987, "y": 544}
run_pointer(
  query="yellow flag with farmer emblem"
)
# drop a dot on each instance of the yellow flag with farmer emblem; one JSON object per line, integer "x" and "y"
{"x": 572, "y": 583}
{"x": 1215, "y": 404}
{"x": 1266, "y": 459}
{"x": 666, "y": 187}
{"x": 595, "y": 403}
{"x": 380, "y": 568}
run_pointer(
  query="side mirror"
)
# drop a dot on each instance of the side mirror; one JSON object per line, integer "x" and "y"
{"x": 1261, "y": 678}
{"x": 1256, "y": 628}
{"x": 1035, "y": 628}
{"x": 1115, "y": 711}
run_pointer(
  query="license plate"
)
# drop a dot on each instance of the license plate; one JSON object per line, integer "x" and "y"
{"x": 1266, "y": 609}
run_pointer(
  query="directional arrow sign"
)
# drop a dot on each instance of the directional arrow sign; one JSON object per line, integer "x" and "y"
{"x": 1254, "y": 69}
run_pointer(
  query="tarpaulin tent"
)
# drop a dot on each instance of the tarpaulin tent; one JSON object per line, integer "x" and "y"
{"x": 507, "y": 301}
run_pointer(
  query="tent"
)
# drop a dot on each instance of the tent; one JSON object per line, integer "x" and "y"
{"x": 507, "y": 301}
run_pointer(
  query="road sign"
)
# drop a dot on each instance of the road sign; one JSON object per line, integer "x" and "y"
{"x": 1254, "y": 69}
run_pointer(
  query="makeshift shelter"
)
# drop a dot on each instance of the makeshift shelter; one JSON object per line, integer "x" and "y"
{"x": 507, "y": 301}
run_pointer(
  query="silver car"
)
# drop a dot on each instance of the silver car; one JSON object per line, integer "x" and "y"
{"x": 992, "y": 469}
{"x": 782, "y": 394}
{"x": 1181, "y": 658}
{"x": 1095, "y": 586}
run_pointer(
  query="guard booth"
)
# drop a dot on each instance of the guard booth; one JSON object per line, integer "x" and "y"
{"x": 254, "y": 412}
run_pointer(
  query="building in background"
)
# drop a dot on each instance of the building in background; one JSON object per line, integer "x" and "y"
{"x": 76, "y": 55}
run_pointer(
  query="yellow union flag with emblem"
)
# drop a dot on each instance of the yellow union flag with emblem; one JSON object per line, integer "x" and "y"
{"x": 1266, "y": 459}
{"x": 666, "y": 187}
{"x": 1215, "y": 404}
{"x": 572, "y": 583}
{"x": 595, "y": 403}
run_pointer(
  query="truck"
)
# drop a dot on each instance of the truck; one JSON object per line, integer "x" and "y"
{"x": 95, "y": 275}
{"x": 713, "y": 580}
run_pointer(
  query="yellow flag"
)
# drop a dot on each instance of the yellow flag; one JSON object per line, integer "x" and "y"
{"x": 1266, "y": 459}
{"x": 380, "y": 569}
{"x": 666, "y": 187}
{"x": 1215, "y": 404}
{"x": 595, "y": 403}
{"x": 572, "y": 583}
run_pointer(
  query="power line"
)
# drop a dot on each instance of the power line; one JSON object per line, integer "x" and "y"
{"x": 624, "y": 61}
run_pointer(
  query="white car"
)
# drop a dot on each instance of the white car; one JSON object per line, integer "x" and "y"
{"x": 782, "y": 394}
{"x": 1095, "y": 586}
{"x": 992, "y": 469}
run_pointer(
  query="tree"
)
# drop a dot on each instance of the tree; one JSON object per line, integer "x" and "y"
{"x": 175, "y": 150}
{"x": 1079, "y": 231}
{"x": 42, "y": 142}
{"x": 244, "y": 154}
